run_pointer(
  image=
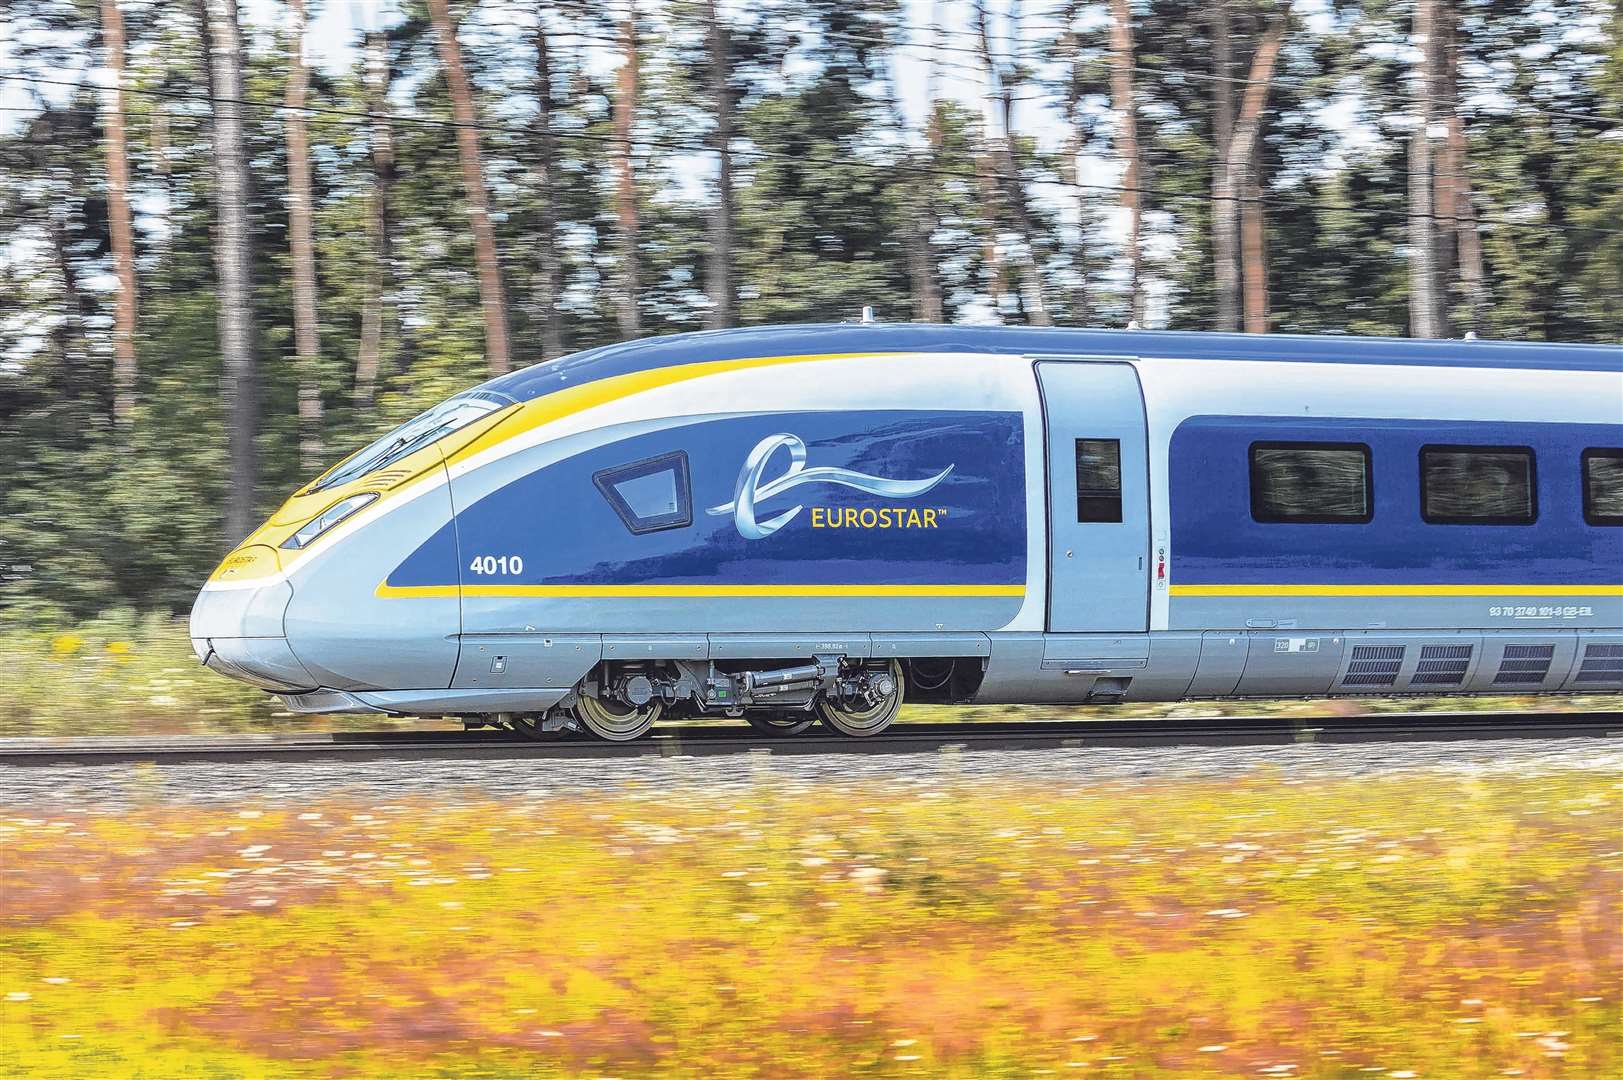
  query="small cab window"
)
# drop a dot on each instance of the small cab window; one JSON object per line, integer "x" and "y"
{"x": 1603, "y": 486}
{"x": 1302, "y": 482}
{"x": 1477, "y": 485}
{"x": 1098, "y": 480}
{"x": 651, "y": 494}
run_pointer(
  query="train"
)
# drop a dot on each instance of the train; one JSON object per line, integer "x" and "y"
{"x": 813, "y": 524}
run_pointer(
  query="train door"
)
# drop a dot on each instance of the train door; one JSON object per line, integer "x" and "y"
{"x": 1098, "y": 497}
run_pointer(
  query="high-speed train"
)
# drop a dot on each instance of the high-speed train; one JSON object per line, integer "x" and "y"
{"x": 807, "y": 523}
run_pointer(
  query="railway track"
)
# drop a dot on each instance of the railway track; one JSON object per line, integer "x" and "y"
{"x": 713, "y": 740}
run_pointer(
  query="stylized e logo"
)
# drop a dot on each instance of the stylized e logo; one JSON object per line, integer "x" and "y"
{"x": 750, "y": 489}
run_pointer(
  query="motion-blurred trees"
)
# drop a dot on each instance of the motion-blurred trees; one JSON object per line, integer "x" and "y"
{"x": 691, "y": 163}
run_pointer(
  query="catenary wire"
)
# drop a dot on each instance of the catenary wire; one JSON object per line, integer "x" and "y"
{"x": 355, "y": 118}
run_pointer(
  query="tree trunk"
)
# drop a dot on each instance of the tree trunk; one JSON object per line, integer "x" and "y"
{"x": 1254, "y": 249}
{"x": 301, "y": 239}
{"x": 917, "y": 204}
{"x": 1237, "y": 210}
{"x": 1081, "y": 313}
{"x": 1006, "y": 169}
{"x": 118, "y": 219}
{"x": 75, "y": 381}
{"x": 233, "y": 268}
{"x": 551, "y": 263}
{"x": 718, "y": 262}
{"x": 1123, "y": 101}
{"x": 625, "y": 111}
{"x": 1081, "y": 289}
{"x": 931, "y": 305}
{"x": 1455, "y": 205}
{"x": 991, "y": 209}
{"x": 491, "y": 300}
{"x": 1225, "y": 204}
{"x": 1425, "y": 316}
{"x": 381, "y": 137}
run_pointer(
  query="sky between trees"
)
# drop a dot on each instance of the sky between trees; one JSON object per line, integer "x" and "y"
{"x": 237, "y": 241}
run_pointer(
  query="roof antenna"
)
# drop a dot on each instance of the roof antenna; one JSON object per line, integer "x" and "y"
{"x": 1470, "y": 335}
{"x": 867, "y": 313}
{"x": 1132, "y": 324}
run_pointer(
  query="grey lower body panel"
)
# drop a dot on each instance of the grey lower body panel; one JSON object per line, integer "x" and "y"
{"x": 1040, "y": 668}
{"x": 265, "y": 662}
{"x": 427, "y": 702}
{"x": 1174, "y": 665}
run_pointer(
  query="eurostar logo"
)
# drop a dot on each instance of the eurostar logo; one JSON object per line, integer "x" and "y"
{"x": 752, "y": 488}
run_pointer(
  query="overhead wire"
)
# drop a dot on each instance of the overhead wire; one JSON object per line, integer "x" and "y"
{"x": 355, "y": 118}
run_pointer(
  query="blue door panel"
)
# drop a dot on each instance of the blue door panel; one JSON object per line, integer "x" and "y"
{"x": 1098, "y": 570}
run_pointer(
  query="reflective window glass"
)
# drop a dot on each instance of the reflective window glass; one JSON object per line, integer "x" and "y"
{"x": 1603, "y": 486}
{"x": 651, "y": 494}
{"x": 1477, "y": 485}
{"x": 1098, "y": 480}
{"x": 1311, "y": 482}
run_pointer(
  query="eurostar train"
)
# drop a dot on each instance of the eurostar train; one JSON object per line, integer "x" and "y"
{"x": 813, "y": 522}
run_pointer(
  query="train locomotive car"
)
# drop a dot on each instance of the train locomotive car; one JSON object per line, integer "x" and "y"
{"x": 813, "y": 523}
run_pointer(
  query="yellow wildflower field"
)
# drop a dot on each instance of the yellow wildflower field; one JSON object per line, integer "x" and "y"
{"x": 1413, "y": 924}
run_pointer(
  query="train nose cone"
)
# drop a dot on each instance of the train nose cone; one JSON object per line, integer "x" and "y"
{"x": 237, "y": 624}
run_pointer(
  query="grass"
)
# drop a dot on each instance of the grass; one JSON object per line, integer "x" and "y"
{"x": 134, "y": 675}
{"x": 128, "y": 675}
{"x": 1426, "y": 924}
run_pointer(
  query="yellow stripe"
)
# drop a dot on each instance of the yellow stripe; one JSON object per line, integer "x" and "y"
{"x": 562, "y": 403}
{"x": 1396, "y": 590}
{"x": 600, "y": 592}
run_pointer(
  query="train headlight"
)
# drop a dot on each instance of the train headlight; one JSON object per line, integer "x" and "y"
{"x": 325, "y": 520}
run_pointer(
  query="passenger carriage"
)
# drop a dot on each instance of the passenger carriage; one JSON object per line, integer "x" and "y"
{"x": 796, "y": 522}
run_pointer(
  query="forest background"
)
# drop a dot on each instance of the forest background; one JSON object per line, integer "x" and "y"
{"x": 237, "y": 241}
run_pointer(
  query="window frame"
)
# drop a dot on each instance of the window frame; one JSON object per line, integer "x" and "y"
{"x": 1311, "y": 519}
{"x": 675, "y": 461}
{"x": 1473, "y": 448}
{"x": 1604, "y": 521}
{"x": 1119, "y": 493}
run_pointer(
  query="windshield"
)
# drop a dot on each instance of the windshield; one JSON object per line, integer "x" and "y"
{"x": 413, "y": 435}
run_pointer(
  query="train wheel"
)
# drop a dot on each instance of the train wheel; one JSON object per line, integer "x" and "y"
{"x": 617, "y": 722}
{"x": 779, "y": 723}
{"x": 861, "y": 720}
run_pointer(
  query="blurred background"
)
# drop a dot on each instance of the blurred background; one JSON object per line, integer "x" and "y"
{"x": 237, "y": 239}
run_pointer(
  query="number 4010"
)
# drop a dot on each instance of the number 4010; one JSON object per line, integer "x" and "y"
{"x": 496, "y": 564}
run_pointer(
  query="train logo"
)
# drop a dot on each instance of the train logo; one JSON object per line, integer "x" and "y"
{"x": 752, "y": 488}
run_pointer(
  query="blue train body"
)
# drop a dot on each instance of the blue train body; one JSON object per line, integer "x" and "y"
{"x": 812, "y": 521}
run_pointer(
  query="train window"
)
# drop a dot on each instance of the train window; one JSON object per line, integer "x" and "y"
{"x": 1327, "y": 483}
{"x": 1603, "y": 486}
{"x": 1098, "y": 480}
{"x": 1477, "y": 485}
{"x": 649, "y": 495}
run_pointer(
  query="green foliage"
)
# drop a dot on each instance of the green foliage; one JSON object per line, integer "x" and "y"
{"x": 125, "y": 673}
{"x": 829, "y": 188}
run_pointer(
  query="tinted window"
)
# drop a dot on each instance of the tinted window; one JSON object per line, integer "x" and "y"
{"x": 1098, "y": 480}
{"x": 1477, "y": 485}
{"x": 450, "y": 415}
{"x": 1603, "y": 486}
{"x": 1310, "y": 482}
{"x": 649, "y": 495}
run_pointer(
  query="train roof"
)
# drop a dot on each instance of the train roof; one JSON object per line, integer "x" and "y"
{"x": 847, "y": 338}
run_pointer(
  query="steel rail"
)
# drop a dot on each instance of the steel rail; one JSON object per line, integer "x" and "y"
{"x": 716, "y": 740}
